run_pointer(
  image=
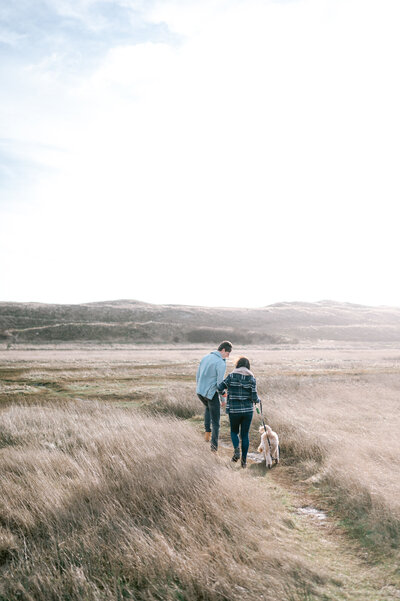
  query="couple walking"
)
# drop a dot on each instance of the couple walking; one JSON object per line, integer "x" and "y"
{"x": 241, "y": 394}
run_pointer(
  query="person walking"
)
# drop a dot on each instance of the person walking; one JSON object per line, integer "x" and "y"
{"x": 242, "y": 395}
{"x": 210, "y": 373}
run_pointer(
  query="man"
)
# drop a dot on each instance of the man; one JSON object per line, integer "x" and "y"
{"x": 210, "y": 373}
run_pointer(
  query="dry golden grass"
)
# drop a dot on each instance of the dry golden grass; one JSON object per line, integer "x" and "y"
{"x": 103, "y": 503}
{"x": 336, "y": 412}
{"x": 341, "y": 429}
{"x": 178, "y": 401}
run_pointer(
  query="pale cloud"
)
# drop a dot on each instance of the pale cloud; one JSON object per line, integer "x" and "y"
{"x": 258, "y": 136}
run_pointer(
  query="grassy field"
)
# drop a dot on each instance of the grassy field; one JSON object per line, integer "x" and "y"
{"x": 109, "y": 492}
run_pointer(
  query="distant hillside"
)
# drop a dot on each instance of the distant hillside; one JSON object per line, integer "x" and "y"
{"x": 129, "y": 321}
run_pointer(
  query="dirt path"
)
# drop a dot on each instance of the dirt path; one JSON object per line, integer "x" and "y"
{"x": 352, "y": 574}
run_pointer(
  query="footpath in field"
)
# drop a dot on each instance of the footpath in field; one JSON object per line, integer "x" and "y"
{"x": 353, "y": 574}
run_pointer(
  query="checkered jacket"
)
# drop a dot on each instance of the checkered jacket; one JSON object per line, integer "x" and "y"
{"x": 242, "y": 392}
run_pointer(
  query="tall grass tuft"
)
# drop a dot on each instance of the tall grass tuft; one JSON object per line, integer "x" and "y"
{"x": 178, "y": 401}
{"x": 99, "y": 503}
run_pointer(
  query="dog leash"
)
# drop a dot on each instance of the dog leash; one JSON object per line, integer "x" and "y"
{"x": 260, "y": 413}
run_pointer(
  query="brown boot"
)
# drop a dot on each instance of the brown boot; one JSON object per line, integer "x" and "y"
{"x": 207, "y": 436}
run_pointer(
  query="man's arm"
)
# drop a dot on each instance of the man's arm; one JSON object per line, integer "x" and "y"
{"x": 221, "y": 368}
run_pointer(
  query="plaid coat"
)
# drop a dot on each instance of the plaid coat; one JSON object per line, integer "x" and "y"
{"x": 242, "y": 392}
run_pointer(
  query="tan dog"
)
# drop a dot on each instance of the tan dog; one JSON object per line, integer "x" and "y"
{"x": 271, "y": 448}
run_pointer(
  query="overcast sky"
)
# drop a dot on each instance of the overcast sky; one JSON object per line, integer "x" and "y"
{"x": 207, "y": 152}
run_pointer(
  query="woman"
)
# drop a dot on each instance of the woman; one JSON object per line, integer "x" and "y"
{"x": 242, "y": 394}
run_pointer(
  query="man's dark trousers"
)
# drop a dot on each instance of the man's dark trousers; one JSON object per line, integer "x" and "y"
{"x": 212, "y": 413}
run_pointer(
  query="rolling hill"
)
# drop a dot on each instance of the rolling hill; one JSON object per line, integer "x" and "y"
{"x": 130, "y": 321}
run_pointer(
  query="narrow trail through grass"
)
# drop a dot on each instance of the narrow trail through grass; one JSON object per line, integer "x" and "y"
{"x": 354, "y": 573}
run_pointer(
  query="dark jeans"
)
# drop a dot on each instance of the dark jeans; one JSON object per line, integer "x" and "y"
{"x": 242, "y": 422}
{"x": 212, "y": 413}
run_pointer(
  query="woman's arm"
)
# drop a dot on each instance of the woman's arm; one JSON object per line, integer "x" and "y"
{"x": 222, "y": 385}
{"x": 254, "y": 395}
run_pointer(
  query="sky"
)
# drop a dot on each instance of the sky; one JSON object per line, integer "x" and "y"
{"x": 202, "y": 152}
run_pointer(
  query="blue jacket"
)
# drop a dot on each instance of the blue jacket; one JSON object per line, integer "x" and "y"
{"x": 210, "y": 373}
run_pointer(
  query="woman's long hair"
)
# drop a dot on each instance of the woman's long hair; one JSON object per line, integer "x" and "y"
{"x": 243, "y": 362}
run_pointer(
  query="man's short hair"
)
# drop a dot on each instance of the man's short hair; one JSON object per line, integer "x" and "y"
{"x": 225, "y": 346}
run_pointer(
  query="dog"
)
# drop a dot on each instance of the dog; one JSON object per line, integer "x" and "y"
{"x": 269, "y": 445}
